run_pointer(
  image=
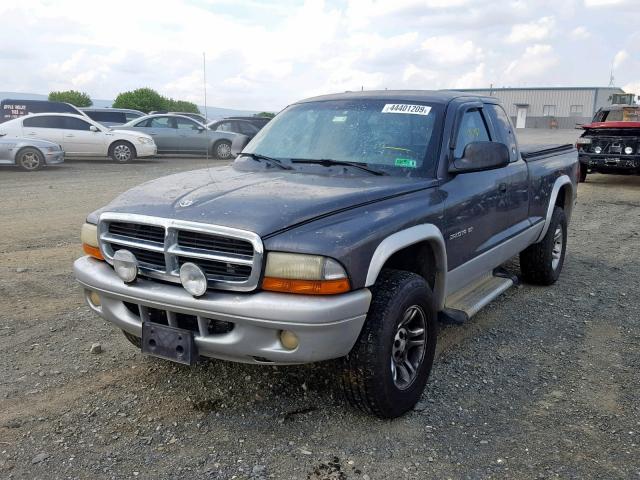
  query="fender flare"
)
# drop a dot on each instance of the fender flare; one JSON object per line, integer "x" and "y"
{"x": 560, "y": 182}
{"x": 406, "y": 238}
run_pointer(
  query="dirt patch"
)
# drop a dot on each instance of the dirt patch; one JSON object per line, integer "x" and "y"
{"x": 543, "y": 383}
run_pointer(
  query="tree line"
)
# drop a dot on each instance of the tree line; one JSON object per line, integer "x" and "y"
{"x": 144, "y": 99}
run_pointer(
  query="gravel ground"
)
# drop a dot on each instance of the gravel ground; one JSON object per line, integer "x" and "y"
{"x": 543, "y": 383}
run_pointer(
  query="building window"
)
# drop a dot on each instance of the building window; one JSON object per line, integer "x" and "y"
{"x": 548, "y": 110}
{"x": 575, "y": 110}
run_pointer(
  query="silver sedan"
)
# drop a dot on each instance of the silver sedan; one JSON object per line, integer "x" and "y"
{"x": 29, "y": 154}
{"x": 177, "y": 134}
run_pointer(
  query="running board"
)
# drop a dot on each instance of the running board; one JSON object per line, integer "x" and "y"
{"x": 465, "y": 303}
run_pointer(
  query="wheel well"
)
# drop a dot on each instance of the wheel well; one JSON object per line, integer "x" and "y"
{"x": 21, "y": 149}
{"x": 563, "y": 200}
{"x": 122, "y": 141}
{"x": 418, "y": 258}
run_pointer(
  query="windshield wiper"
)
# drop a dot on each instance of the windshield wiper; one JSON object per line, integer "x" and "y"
{"x": 273, "y": 161}
{"x": 328, "y": 162}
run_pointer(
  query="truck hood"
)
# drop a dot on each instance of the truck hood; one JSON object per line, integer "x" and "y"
{"x": 263, "y": 202}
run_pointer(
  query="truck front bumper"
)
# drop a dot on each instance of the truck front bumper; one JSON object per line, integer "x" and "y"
{"x": 327, "y": 326}
{"x": 610, "y": 163}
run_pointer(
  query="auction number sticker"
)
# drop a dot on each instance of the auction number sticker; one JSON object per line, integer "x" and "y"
{"x": 406, "y": 108}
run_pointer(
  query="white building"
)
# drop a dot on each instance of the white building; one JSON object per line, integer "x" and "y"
{"x": 552, "y": 107}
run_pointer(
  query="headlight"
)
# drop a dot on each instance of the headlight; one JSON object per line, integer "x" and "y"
{"x": 598, "y": 150}
{"x": 307, "y": 274}
{"x": 89, "y": 239}
{"x": 126, "y": 265}
{"x": 145, "y": 140}
{"x": 628, "y": 150}
{"x": 193, "y": 279}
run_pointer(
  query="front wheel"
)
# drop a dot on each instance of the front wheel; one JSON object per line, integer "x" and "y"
{"x": 122, "y": 152}
{"x": 541, "y": 263}
{"x": 222, "y": 150}
{"x": 582, "y": 173}
{"x": 135, "y": 341}
{"x": 30, "y": 159}
{"x": 387, "y": 370}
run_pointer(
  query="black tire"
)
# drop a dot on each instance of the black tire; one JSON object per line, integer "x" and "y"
{"x": 222, "y": 150}
{"x": 537, "y": 261}
{"x": 367, "y": 377}
{"x": 122, "y": 152}
{"x": 136, "y": 341}
{"x": 30, "y": 159}
{"x": 582, "y": 173}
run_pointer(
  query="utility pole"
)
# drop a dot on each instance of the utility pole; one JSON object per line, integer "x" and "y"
{"x": 204, "y": 78}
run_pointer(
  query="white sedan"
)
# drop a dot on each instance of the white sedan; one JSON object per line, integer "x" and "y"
{"x": 80, "y": 136}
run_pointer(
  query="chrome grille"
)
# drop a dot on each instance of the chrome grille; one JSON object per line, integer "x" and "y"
{"x": 230, "y": 258}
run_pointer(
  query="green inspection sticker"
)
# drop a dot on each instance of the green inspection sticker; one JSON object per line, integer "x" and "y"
{"x": 406, "y": 162}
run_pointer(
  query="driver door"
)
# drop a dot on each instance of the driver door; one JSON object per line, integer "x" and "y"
{"x": 475, "y": 201}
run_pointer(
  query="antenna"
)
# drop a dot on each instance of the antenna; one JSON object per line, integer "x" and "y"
{"x": 204, "y": 81}
{"x": 612, "y": 80}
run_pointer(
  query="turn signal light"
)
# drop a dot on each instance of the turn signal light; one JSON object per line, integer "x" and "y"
{"x": 92, "y": 251}
{"x": 307, "y": 287}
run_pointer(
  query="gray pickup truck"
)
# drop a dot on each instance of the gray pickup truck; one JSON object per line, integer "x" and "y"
{"x": 347, "y": 228}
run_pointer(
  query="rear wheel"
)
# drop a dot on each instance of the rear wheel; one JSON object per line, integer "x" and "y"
{"x": 122, "y": 152}
{"x": 30, "y": 159}
{"x": 222, "y": 150}
{"x": 386, "y": 371}
{"x": 541, "y": 263}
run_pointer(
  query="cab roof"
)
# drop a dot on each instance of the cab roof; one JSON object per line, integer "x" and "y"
{"x": 431, "y": 96}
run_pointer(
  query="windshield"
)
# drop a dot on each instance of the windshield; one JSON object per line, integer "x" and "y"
{"x": 397, "y": 137}
{"x": 625, "y": 114}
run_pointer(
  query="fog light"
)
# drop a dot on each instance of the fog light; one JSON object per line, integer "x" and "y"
{"x": 193, "y": 279}
{"x": 94, "y": 298}
{"x": 628, "y": 150}
{"x": 289, "y": 340}
{"x": 126, "y": 265}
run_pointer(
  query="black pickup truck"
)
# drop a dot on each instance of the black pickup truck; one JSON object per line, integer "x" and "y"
{"x": 345, "y": 229}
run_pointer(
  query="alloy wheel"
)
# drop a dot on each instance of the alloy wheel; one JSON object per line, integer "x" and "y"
{"x": 408, "y": 348}
{"x": 30, "y": 160}
{"x": 122, "y": 153}
{"x": 558, "y": 245}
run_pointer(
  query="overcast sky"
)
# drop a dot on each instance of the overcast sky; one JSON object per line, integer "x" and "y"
{"x": 262, "y": 55}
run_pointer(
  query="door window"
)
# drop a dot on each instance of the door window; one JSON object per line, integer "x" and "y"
{"x": 161, "y": 122}
{"x": 71, "y": 123}
{"x": 225, "y": 127}
{"x": 472, "y": 129}
{"x": 184, "y": 124}
{"x": 247, "y": 129}
{"x": 504, "y": 129}
{"x": 44, "y": 122}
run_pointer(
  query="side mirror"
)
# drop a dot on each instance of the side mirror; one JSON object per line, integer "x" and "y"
{"x": 239, "y": 142}
{"x": 200, "y": 128}
{"x": 479, "y": 156}
{"x": 93, "y": 128}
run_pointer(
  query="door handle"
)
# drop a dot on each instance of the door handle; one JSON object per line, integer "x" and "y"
{"x": 153, "y": 134}
{"x": 69, "y": 136}
{"x": 32, "y": 134}
{"x": 502, "y": 187}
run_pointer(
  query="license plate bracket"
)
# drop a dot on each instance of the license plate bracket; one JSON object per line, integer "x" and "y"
{"x": 170, "y": 343}
{"x": 611, "y": 160}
